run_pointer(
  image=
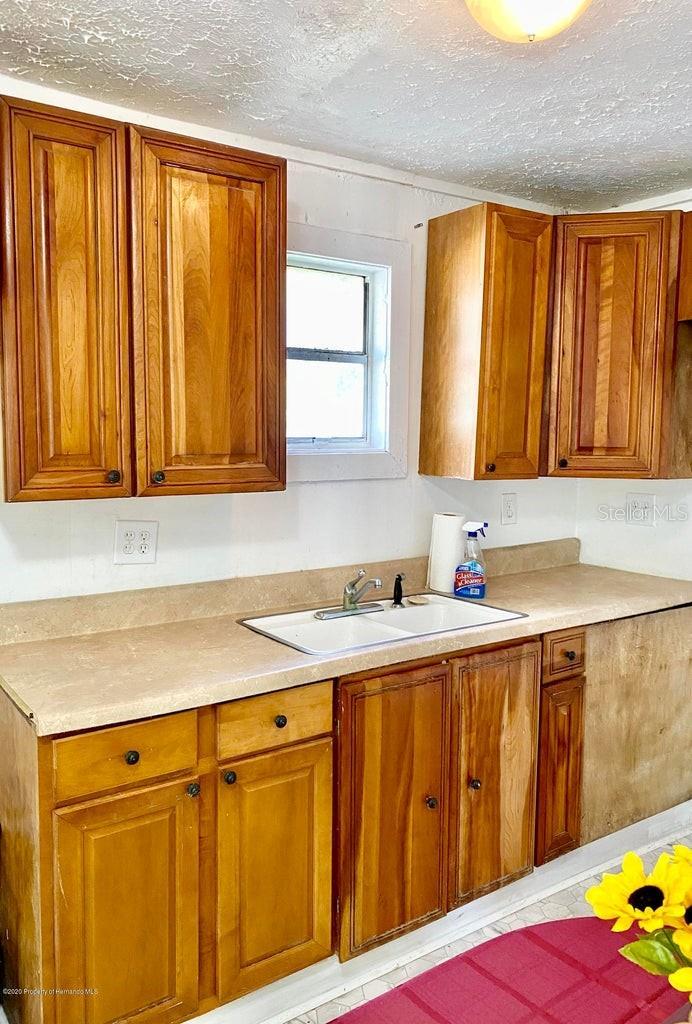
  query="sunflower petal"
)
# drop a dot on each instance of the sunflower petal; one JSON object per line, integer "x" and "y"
{"x": 623, "y": 924}
{"x": 633, "y": 867}
{"x": 681, "y": 980}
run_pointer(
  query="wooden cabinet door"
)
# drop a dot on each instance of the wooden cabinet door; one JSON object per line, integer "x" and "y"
{"x": 126, "y": 907}
{"x": 517, "y": 278}
{"x": 613, "y": 341}
{"x": 65, "y": 332}
{"x": 393, "y": 799}
{"x": 208, "y": 226}
{"x": 558, "y": 827}
{"x": 274, "y": 866}
{"x": 493, "y": 795}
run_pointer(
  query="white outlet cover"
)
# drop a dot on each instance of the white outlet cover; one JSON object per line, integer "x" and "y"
{"x": 135, "y": 542}
{"x": 640, "y": 509}
{"x": 509, "y": 510}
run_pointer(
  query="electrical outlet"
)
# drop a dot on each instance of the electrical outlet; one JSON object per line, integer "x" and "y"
{"x": 135, "y": 542}
{"x": 641, "y": 509}
{"x": 509, "y": 510}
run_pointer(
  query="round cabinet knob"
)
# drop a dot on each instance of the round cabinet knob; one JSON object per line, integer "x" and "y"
{"x": 194, "y": 789}
{"x": 475, "y": 784}
{"x": 571, "y": 655}
{"x": 113, "y": 476}
{"x": 132, "y": 757}
{"x": 280, "y": 721}
{"x": 563, "y": 463}
{"x": 230, "y": 778}
{"x": 491, "y": 467}
{"x": 158, "y": 477}
{"x": 431, "y": 802}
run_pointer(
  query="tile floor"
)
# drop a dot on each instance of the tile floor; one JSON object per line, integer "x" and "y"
{"x": 566, "y": 903}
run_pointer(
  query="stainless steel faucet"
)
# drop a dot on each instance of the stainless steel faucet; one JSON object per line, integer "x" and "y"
{"x": 353, "y": 592}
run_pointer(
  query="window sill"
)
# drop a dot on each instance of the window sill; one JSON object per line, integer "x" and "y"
{"x": 316, "y": 466}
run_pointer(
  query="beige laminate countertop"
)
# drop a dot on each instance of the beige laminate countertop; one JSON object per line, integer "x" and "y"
{"x": 82, "y": 682}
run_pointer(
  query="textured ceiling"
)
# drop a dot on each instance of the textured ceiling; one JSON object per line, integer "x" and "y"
{"x": 599, "y": 115}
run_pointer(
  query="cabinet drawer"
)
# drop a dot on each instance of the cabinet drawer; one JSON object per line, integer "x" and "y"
{"x": 564, "y": 654}
{"x": 126, "y": 754}
{"x": 274, "y": 719}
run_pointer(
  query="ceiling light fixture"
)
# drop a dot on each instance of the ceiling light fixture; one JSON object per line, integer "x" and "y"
{"x": 521, "y": 21}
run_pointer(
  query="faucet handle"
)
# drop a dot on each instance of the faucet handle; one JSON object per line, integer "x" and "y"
{"x": 359, "y": 576}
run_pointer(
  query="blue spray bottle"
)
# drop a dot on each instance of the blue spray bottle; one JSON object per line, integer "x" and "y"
{"x": 469, "y": 578}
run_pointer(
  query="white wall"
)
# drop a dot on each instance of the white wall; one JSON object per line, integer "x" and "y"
{"x": 62, "y": 548}
{"x": 666, "y": 549}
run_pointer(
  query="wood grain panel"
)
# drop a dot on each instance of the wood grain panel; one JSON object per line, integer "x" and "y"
{"x": 94, "y": 762}
{"x": 636, "y": 717}
{"x": 126, "y": 907}
{"x": 257, "y": 723}
{"x": 514, "y": 342}
{"x": 616, "y": 279}
{"x": 685, "y": 276}
{"x": 494, "y": 747}
{"x": 65, "y": 308}
{"x": 558, "y": 821}
{"x": 485, "y": 338}
{"x": 274, "y": 866}
{"x": 393, "y": 772}
{"x": 208, "y": 226}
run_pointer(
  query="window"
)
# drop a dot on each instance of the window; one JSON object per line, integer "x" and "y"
{"x": 330, "y": 352}
{"x": 342, "y": 372}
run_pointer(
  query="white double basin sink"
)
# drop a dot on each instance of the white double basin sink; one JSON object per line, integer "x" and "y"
{"x": 439, "y": 614}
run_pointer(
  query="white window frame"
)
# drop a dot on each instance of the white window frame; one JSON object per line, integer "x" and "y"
{"x": 386, "y": 263}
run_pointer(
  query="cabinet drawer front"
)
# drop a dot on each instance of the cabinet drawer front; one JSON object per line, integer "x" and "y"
{"x": 564, "y": 654}
{"x": 125, "y": 755}
{"x": 274, "y": 720}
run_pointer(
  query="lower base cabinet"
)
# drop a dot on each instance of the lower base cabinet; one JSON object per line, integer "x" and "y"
{"x": 274, "y": 865}
{"x": 558, "y": 828}
{"x": 493, "y": 796}
{"x": 126, "y": 907}
{"x": 393, "y": 767}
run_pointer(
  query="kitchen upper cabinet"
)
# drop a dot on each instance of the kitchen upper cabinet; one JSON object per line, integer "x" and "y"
{"x": 493, "y": 780}
{"x": 274, "y": 865}
{"x": 558, "y": 827}
{"x": 65, "y": 305}
{"x": 393, "y": 799}
{"x": 208, "y": 241}
{"x": 685, "y": 293}
{"x": 126, "y": 907}
{"x": 614, "y": 347}
{"x": 485, "y": 340}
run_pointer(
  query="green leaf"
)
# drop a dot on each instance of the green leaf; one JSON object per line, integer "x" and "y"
{"x": 652, "y": 953}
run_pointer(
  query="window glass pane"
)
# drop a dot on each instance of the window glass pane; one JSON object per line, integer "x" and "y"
{"x": 325, "y": 399}
{"x": 325, "y": 309}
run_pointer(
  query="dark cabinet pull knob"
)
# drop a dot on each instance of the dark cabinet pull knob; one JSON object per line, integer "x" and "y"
{"x": 571, "y": 655}
{"x": 280, "y": 721}
{"x": 194, "y": 789}
{"x": 431, "y": 802}
{"x": 491, "y": 467}
{"x": 475, "y": 784}
{"x": 158, "y": 477}
{"x": 132, "y": 757}
{"x": 563, "y": 463}
{"x": 229, "y": 778}
{"x": 113, "y": 476}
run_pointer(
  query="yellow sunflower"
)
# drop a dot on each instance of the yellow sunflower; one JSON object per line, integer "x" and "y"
{"x": 633, "y": 897}
{"x": 683, "y": 855}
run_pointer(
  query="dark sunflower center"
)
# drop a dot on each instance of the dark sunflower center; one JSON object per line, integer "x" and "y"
{"x": 649, "y": 897}
{"x": 688, "y": 916}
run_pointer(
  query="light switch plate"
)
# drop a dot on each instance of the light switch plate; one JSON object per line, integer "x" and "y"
{"x": 641, "y": 509}
{"x": 135, "y": 542}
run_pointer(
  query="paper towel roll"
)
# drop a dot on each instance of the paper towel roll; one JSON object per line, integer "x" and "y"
{"x": 446, "y": 551}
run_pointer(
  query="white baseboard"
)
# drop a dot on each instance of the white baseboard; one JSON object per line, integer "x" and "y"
{"x": 285, "y": 999}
